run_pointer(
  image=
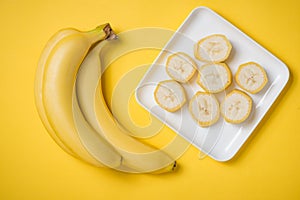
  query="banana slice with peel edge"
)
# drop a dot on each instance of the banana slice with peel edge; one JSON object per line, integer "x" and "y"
{"x": 180, "y": 67}
{"x": 251, "y": 77}
{"x": 214, "y": 77}
{"x": 204, "y": 108}
{"x": 236, "y": 107}
{"x": 169, "y": 95}
{"x": 213, "y": 48}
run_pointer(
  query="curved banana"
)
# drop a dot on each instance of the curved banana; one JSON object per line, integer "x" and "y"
{"x": 38, "y": 85}
{"x": 135, "y": 154}
{"x": 56, "y": 78}
{"x": 137, "y": 157}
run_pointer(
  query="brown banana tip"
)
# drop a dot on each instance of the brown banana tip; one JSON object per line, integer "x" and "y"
{"x": 174, "y": 166}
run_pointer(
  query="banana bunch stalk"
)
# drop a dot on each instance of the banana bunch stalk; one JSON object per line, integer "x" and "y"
{"x": 70, "y": 102}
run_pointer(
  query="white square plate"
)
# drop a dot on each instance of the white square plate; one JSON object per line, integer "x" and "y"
{"x": 222, "y": 140}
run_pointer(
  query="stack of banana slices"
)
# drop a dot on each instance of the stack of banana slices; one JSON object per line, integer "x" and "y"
{"x": 214, "y": 76}
{"x": 70, "y": 102}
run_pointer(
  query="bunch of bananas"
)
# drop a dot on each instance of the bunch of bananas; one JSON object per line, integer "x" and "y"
{"x": 70, "y": 102}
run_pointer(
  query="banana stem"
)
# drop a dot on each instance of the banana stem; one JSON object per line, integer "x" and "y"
{"x": 100, "y": 33}
{"x": 110, "y": 35}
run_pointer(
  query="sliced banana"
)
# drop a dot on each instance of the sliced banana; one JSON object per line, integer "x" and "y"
{"x": 180, "y": 67}
{"x": 204, "y": 108}
{"x": 236, "y": 107}
{"x": 213, "y": 48}
{"x": 251, "y": 77}
{"x": 214, "y": 77}
{"x": 169, "y": 95}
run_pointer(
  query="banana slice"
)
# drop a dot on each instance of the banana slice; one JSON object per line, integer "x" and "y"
{"x": 236, "y": 107}
{"x": 213, "y": 48}
{"x": 169, "y": 95}
{"x": 180, "y": 67}
{"x": 214, "y": 77}
{"x": 204, "y": 108}
{"x": 251, "y": 77}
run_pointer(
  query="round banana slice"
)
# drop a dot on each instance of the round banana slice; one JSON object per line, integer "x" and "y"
{"x": 204, "y": 108}
{"x": 251, "y": 77}
{"x": 180, "y": 67}
{"x": 236, "y": 107}
{"x": 213, "y": 48}
{"x": 214, "y": 77}
{"x": 169, "y": 95}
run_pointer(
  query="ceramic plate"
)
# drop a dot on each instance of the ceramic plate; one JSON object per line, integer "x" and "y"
{"x": 222, "y": 140}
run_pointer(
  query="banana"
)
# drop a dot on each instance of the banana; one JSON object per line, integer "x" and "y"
{"x": 137, "y": 157}
{"x": 215, "y": 77}
{"x": 67, "y": 117}
{"x": 169, "y": 95}
{"x": 251, "y": 77}
{"x": 38, "y": 85}
{"x": 96, "y": 145}
{"x": 236, "y": 107}
{"x": 213, "y": 48}
{"x": 55, "y": 80}
{"x": 204, "y": 108}
{"x": 180, "y": 67}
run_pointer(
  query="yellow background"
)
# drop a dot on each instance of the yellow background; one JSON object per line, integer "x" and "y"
{"x": 32, "y": 166}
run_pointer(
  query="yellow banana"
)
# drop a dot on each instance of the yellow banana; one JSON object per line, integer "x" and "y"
{"x": 135, "y": 154}
{"x": 55, "y": 80}
{"x": 137, "y": 157}
{"x": 39, "y": 84}
{"x": 87, "y": 131}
